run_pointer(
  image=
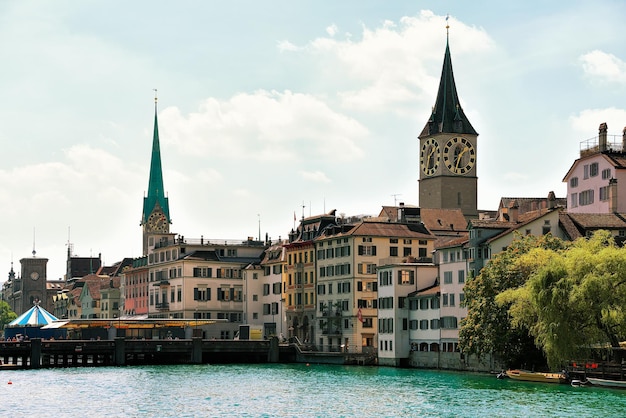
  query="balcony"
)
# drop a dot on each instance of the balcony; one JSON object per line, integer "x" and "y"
{"x": 161, "y": 283}
{"x": 592, "y": 145}
{"x": 162, "y": 306}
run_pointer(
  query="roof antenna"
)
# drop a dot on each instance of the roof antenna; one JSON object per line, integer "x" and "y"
{"x": 394, "y": 198}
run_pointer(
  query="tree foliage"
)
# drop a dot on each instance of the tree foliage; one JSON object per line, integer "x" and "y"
{"x": 573, "y": 300}
{"x": 6, "y": 314}
{"x": 488, "y": 326}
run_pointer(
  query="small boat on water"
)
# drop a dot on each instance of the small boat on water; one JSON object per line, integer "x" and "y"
{"x": 528, "y": 376}
{"x": 607, "y": 382}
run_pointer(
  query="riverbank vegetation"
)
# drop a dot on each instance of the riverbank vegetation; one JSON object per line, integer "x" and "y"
{"x": 547, "y": 299}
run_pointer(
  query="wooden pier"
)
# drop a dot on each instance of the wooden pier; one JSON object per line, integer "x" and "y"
{"x": 38, "y": 353}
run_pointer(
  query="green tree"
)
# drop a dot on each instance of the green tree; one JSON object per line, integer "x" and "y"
{"x": 487, "y": 329}
{"x": 6, "y": 314}
{"x": 574, "y": 300}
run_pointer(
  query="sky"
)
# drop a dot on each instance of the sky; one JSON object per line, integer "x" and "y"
{"x": 268, "y": 109}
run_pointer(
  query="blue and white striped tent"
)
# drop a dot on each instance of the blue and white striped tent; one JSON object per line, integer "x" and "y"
{"x": 29, "y": 324}
{"x": 34, "y": 317}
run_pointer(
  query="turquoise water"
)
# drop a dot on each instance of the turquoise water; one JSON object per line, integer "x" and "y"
{"x": 290, "y": 391}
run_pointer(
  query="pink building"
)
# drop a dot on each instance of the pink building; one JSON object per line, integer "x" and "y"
{"x": 596, "y": 182}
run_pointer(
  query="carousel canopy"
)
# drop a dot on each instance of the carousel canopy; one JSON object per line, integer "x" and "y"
{"x": 34, "y": 317}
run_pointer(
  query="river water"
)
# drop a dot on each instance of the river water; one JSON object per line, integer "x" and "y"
{"x": 290, "y": 390}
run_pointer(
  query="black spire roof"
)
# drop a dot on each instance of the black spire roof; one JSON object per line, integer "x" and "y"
{"x": 447, "y": 115}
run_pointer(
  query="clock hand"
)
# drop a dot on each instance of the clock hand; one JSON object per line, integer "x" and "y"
{"x": 458, "y": 158}
{"x": 430, "y": 155}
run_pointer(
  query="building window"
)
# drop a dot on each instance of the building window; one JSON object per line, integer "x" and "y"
{"x": 447, "y": 277}
{"x": 593, "y": 170}
{"x": 393, "y": 251}
{"x": 574, "y": 200}
{"x": 573, "y": 182}
{"x": 585, "y": 198}
{"x": 604, "y": 193}
{"x": 406, "y": 277}
{"x": 606, "y": 173}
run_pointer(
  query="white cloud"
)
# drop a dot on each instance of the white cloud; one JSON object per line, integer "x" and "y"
{"x": 587, "y": 122}
{"x": 332, "y": 30}
{"x": 264, "y": 126}
{"x": 315, "y": 176}
{"x": 604, "y": 66}
{"x": 392, "y": 64}
{"x": 287, "y": 46}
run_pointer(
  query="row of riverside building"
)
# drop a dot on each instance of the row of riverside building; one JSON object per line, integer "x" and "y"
{"x": 389, "y": 285}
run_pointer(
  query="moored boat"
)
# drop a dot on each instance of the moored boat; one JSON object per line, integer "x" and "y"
{"x": 529, "y": 376}
{"x": 607, "y": 382}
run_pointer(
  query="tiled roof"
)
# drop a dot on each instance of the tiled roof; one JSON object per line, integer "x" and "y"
{"x": 598, "y": 220}
{"x": 427, "y": 291}
{"x": 203, "y": 255}
{"x": 449, "y": 242}
{"x": 525, "y": 219}
{"x": 389, "y": 229}
{"x": 444, "y": 219}
{"x": 529, "y": 204}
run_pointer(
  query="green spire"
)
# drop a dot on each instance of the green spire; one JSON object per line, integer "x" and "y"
{"x": 156, "y": 195}
{"x": 447, "y": 115}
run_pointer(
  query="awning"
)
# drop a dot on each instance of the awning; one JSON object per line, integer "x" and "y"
{"x": 55, "y": 325}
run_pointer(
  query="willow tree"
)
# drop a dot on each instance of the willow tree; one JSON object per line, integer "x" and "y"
{"x": 574, "y": 300}
{"x": 488, "y": 329}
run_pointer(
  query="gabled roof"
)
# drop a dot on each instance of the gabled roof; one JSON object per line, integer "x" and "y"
{"x": 525, "y": 219}
{"x": 447, "y": 115}
{"x": 616, "y": 159}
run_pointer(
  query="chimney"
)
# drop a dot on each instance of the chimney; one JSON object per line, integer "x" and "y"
{"x": 602, "y": 136}
{"x": 551, "y": 200}
{"x": 513, "y": 211}
{"x": 613, "y": 196}
{"x": 624, "y": 139}
{"x": 401, "y": 217}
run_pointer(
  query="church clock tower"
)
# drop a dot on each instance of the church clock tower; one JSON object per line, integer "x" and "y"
{"x": 155, "y": 218}
{"x": 447, "y": 151}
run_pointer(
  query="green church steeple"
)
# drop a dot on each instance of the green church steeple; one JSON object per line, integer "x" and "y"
{"x": 156, "y": 198}
{"x": 447, "y": 115}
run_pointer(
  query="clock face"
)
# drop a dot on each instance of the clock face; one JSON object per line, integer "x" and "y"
{"x": 157, "y": 222}
{"x": 34, "y": 275}
{"x": 459, "y": 155}
{"x": 430, "y": 157}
